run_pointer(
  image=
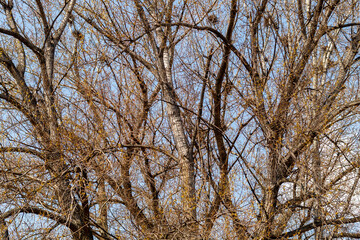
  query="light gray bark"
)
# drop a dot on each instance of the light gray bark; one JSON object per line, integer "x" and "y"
{"x": 181, "y": 141}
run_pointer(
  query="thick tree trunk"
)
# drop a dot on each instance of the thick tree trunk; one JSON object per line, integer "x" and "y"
{"x": 186, "y": 159}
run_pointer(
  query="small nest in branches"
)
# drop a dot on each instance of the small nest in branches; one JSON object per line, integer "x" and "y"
{"x": 213, "y": 19}
{"x": 77, "y": 34}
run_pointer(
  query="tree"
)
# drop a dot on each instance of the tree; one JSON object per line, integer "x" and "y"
{"x": 179, "y": 120}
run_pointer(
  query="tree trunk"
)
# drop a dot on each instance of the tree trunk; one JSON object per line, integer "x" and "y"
{"x": 186, "y": 159}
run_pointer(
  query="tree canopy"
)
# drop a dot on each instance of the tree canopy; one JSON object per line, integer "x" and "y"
{"x": 163, "y": 119}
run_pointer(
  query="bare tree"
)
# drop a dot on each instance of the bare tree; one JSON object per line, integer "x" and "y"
{"x": 179, "y": 120}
